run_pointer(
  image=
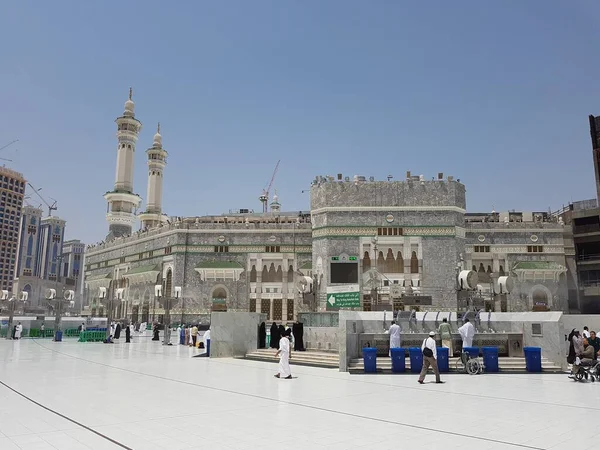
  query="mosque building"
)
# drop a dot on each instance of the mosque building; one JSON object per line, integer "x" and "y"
{"x": 398, "y": 243}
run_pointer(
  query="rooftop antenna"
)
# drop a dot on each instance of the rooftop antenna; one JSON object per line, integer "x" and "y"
{"x": 51, "y": 207}
{"x": 264, "y": 198}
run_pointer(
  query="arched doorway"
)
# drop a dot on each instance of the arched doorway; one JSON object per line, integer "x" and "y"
{"x": 540, "y": 299}
{"x": 219, "y": 298}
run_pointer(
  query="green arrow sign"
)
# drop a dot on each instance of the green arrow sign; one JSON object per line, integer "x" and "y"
{"x": 343, "y": 300}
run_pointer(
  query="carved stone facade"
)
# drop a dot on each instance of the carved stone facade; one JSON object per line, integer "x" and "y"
{"x": 396, "y": 238}
{"x": 212, "y": 259}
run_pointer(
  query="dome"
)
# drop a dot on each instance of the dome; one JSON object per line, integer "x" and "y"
{"x": 129, "y": 105}
{"x": 129, "y": 108}
{"x": 275, "y": 200}
{"x": 157, "y": 142}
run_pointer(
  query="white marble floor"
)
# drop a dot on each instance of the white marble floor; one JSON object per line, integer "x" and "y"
{"x": 145, "y": 396}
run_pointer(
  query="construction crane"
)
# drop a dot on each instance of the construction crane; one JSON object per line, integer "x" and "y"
{"x": 264, "y": 198}
{"x": 51, "y": 207}
{"x": 5, "y": 146}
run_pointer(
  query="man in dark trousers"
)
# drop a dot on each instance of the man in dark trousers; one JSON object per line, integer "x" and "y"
{"x": 429, "y": 358}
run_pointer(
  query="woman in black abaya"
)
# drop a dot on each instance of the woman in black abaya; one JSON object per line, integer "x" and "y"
{"x": 262, "y": 336}
{"x": 275, "y": 336}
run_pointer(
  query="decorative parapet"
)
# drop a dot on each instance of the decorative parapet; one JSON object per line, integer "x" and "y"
{"x": 429, "y": 231}
{"x": 554, "y": 249}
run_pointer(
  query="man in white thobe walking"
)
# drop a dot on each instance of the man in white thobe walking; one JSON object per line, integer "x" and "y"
{"x": 285, "y": 371}
{"x": 18, "y": 331}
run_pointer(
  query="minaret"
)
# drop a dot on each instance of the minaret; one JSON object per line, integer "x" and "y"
{"x": 275, "y": 205}
{"x": 157, "y": 160}
{"x": 122, "y": 202}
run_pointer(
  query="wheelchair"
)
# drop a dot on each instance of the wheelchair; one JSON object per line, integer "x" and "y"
{"x": 467, "y": 364}
{"x": 588, "y": 371}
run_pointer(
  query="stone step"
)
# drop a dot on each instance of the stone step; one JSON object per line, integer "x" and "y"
{"x": 308, "y": 358}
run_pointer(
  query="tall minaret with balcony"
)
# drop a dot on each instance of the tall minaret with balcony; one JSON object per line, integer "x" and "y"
{"x": 157, "y": 160}
{"x": 122, "y": 202}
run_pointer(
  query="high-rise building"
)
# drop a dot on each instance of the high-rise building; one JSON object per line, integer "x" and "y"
{"x": 50, "y": 245}
{"x": 31, "y": 220}
{"x": 12, "y": 189}
{"x": 73, "y": 253}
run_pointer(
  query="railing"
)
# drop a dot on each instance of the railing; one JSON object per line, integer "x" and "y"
{"x": 578, "y": 229}
{"x": 291, "y": 225}
{"x": 589, "y": 257}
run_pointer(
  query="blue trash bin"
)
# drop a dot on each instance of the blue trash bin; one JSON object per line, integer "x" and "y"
{"x": 416, "y": 359}
{"x": 490, "y": 359}
{"x": 472, "y": 351}
{"x": 370, "y": 359}
{"x": 58, "y": 336}
{"x": 442, "y": 359}
{"x": 398, "y": 360}
{"x": 533, "y": 359}
{"x": 208, "y": 347}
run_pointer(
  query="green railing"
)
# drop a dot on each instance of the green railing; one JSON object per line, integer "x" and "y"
{"x": 92, "y": 336}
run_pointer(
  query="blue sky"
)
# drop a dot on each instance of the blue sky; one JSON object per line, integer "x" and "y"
{"x": 495, "y": 93}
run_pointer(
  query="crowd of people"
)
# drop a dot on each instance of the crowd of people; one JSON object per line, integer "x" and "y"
{"x": 584, "y": 349}
{"x": 429, "y": 345}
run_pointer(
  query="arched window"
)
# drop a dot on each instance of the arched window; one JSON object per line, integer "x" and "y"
{"x": 380, "y": 262}
{"x": 265, "y": 274}
{"x": 390, "y": 262}
{"x": 169, "y": 283}
{"x": 272, "y": 273}
{"x": 253, "y": 274}
{"x": 279, "y": 274}
{"x": 414, "y": 263}
{"x": 30, "y": 245}
{"x": 366, "y": 262}
{"x": 399, "y": 263}
{"x": 290, "y": 275}
{"x": 501, "y": 271}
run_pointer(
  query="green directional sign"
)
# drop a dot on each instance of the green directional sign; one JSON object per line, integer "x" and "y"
{"x": 346, "y": 296}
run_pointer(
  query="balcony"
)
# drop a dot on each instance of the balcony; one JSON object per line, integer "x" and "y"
{"x": 588, "y": 259}
{"x": 591, "y": 288}
{"x": 586, "y": 229}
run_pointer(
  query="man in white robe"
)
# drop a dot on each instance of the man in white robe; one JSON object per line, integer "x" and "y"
{"x": 18, "y": 331}
{"x": 395, "y": 338}
{"x": 467, "y": 332}
{"x": 285, "y": 371}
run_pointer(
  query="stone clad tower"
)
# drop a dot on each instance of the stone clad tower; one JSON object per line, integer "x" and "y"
{"x": 157, "y": 160}
{"x": 122, "y": 202}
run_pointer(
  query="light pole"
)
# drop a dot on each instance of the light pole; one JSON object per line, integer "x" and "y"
{"x": 109, "y": 297}
{"x": 12, "y": 302}
{"x": 57, "y": 304}
{"x": 167, "y": 301}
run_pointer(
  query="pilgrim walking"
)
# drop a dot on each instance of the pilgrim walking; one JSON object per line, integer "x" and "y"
{"x": 18, "y": 331}
{"x": 429, "y": 358}
{"x": 285, "y": 371}
{"x": 127, "y": 334}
